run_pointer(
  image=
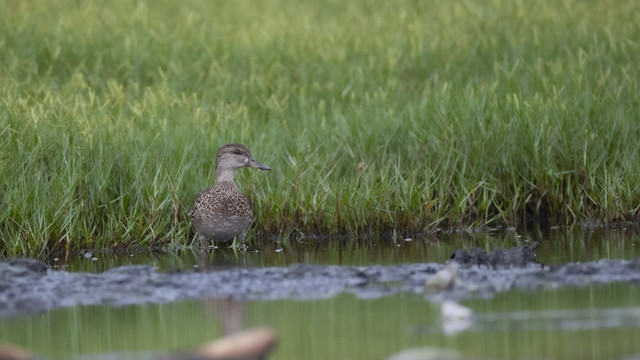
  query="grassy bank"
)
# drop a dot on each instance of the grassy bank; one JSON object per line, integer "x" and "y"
{"x": 374, "y": 115}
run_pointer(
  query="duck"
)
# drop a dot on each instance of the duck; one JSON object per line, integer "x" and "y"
{"x": 222, "y": 213}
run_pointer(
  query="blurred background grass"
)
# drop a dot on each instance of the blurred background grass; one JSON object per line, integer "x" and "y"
{"x": 376, "y": 116}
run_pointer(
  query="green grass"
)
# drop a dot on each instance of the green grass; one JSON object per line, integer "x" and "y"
{"x": 375, "y": 115}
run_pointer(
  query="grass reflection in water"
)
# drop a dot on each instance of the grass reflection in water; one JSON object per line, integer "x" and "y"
{"x": 345, "y": 327}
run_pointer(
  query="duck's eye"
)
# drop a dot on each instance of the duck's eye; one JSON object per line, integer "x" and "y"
{"x": 237, "y": 152}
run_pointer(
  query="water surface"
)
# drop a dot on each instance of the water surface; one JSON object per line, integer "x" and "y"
{"x": 557, "y": 246}
{"x": 590, "y": 322}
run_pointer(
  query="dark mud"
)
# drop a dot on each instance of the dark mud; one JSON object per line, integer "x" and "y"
{"x": 28, "y": 286}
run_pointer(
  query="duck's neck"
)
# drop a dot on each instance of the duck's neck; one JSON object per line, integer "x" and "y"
{"x": 224, "y": 175}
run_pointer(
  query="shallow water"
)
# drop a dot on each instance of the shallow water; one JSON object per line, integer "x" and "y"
{"x": 556, "y": 247}
{"x": 598, "y": 321}
{"x": 344, "y": 327}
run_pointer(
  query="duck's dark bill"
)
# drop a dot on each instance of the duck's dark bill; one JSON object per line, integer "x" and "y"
{"x": 257, "y": 165}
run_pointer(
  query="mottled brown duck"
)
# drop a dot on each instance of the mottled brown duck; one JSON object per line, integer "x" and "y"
{"x": 222, "y": 213}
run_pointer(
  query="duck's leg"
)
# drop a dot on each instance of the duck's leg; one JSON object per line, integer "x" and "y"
{"x": 204, "y": 243}
{"x": 241, "y": 246}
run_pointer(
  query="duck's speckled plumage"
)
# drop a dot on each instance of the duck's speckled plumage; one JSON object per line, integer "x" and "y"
{"x": 221, "y": 212}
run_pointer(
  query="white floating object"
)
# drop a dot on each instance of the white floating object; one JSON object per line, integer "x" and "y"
{"x": 443, "y": 279}
{"x": 451, "y": 310}
{"x": 425, "y": 353}
{"x": 278, "y": 250}
{"x": 87, "y": 255}
{"x": 408, "y": 239}
{"x": 94, "y": 258}
{"x": 455, "y": 317}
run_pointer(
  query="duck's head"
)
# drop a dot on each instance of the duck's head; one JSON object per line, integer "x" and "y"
{"x": 236, "y": 156}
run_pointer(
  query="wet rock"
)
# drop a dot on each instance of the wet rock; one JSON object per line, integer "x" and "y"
{"x": 521, "y": 256}
{"x": 247, "y": 345}
{"x": 598, "y": 271}
{"x": 427, "y": 353}
{"x": 252, "y": 344}
{"x": 32, "y": 288}
{"x": 22, "y": 266}
{"x": 12, "y": 352}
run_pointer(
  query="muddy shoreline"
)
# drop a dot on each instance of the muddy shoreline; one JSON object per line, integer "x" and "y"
{"x": 28, "y": 286}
